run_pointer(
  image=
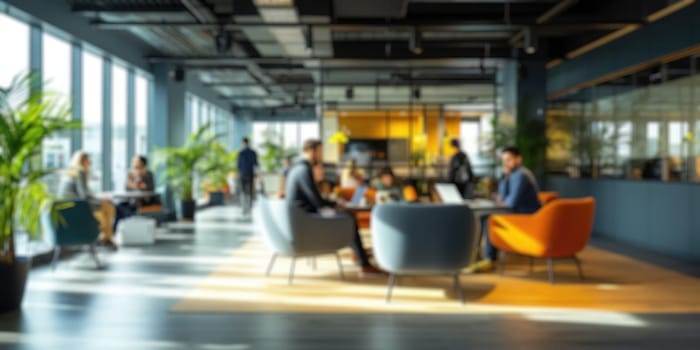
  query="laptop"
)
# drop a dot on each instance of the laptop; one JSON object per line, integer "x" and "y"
{"x": 449, "y": 193}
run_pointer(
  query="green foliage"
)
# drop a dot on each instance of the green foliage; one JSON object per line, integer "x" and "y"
{"x": 181, "y": 162}
{"x": 217, "y": 164}
{"x": 26, "y": 119}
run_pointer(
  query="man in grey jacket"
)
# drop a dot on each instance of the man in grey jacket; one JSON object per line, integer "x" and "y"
{"x": 302, "y": 192}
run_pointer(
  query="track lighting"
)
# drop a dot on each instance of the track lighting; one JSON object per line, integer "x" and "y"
{"x": 530, "y": 41}
{"x": 349, "y": 93}
{"x": 223, "y": 41}
{"x": 415, "y": 43}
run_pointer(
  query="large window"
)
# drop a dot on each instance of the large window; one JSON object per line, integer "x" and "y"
{"x": 56, "y": 65}
{"x": 15, "y": 57}
{"x": 92, "y": 115}
{"x": 119, "y": 118}
{"x": 141, "y": 136}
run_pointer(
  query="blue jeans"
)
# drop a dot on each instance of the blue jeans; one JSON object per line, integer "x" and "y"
{"x": 490, "y": 252}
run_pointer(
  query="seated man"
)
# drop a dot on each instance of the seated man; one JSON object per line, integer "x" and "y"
{"x": 518, "y": 191}
{"x": 387, "y": 189}
{"x": 302, "y": 192}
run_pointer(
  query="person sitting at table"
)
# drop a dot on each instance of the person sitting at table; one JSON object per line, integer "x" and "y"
{"x": 518, "y": 191}
{"x": 141, "y": 179}
{"x": 302, "y": 192}
{"x": 74, "y": 186}
{"x": 351, "y": 176}
{"x": 387, "y": 188}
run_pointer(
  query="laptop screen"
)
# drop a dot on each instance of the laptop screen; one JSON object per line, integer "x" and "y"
{"x": 359, "y": 194}
{"x": 449, "y": 193}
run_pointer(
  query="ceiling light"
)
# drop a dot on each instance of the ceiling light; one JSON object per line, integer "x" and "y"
{"x": 349, "y": 93}
{"x": 309, "y": 40}
{"x": 416, "y": 93}
{"x": 223, "y": 41}
{"x": 415, "y": 44}
{"x": 530, "y": 41}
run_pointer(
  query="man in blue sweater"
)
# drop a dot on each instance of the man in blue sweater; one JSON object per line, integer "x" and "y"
{"x": 518, "y": 191}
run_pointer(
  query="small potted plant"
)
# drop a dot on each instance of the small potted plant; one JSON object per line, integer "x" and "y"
{"x": 180, "y": 166}
{"x": 215, "y": 167}
{"x": 27, "y": 118}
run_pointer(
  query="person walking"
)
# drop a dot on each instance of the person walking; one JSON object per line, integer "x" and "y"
{"x": 247, "y": 162}
{"x": 461, "y": 173}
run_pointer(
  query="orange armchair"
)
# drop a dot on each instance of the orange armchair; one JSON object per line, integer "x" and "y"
{"x": 558, "y": 230}
{"x": 547, "y": 197}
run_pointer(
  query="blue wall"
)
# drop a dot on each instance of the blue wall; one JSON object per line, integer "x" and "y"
{"x": 658, "y": 216}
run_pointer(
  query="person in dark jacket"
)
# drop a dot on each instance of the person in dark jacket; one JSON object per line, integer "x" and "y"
{"x": 461, "y": 173}
{"x": 301, "y": 191}
{"x": 247, "y": 162}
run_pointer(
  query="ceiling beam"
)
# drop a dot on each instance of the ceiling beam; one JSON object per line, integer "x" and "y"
{"x": 199, "y": 10}
{"x": 484, "y": 80}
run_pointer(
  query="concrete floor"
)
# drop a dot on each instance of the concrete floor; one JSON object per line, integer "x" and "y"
{"x": 127, "y": 306}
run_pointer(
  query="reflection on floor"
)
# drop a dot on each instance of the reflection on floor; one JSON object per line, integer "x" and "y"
{"x": 128, "y": 306}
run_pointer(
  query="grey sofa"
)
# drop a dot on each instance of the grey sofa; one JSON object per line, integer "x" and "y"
{"x": 422, "y": 239}
{"x": 292, "y": 232}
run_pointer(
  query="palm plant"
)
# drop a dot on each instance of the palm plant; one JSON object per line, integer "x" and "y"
{"x": 181, "y": 162}
{"x": 217, "y": 164}
{"x": 26, "y": 118}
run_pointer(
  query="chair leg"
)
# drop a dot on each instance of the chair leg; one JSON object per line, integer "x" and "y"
{"x": 550, "y": 269}
{"x": 501, "y": 262}
{"x": 458, "y": 288}
{"x": 392, "y": 278}
{"x": 578, "y": 266}
{"x": 340, "y": 266}
{"x": 532, "y": 264}
{"x": 271, "y": 264}
{"x": 56, "y": 256}
{"x": 291, "y": 271}
{"x": 93, "y": 253}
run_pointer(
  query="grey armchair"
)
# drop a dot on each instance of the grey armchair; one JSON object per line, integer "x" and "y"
{"x": 292, "y": 232}
{"x": 420, "y": 239}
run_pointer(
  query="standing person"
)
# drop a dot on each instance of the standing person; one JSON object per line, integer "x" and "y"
{"x": 74, "y": 185}
{"x": 518, "y": 191}
{"x": 247, "y": 162}
{"x": 461, "y": 173}
{"x": 302, "y": 192}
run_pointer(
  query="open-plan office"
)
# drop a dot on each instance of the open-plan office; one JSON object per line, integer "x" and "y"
{"x": 349, "y": 174}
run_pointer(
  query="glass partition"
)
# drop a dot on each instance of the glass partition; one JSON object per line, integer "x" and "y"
{"x": 640, "y": 126}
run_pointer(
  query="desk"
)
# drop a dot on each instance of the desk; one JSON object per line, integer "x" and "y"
{"x": 127, "y": 195}
{"x": 481, "y": 207}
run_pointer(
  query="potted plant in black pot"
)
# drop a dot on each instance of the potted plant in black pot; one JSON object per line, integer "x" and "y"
{"x": 26, "y": 119}
{"x": 216, "y": 166}
{"x": 180, "y": 165}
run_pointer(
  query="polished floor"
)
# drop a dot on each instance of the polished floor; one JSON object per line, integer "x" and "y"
{"x": 128, "y": 304}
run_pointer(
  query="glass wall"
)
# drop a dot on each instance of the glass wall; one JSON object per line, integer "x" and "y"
{"x": 290, "y": 135}
{"x": 92, "y": 115}
{"x": 141, "y": 117}
{"x": 56, "y": 70}
{"x": 201, "y": 112}
{"x": 18, "y": 44}
{"x": 119, "y": 118}
{"x": 642, "y": 126}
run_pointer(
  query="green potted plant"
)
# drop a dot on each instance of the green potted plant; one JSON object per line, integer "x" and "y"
{"x": 180, "y": 165}
{"x": 215, "y": 167}
{"x": 26, "y": 119}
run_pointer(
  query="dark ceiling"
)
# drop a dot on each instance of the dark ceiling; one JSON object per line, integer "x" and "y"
{"x": 278, "y": 53}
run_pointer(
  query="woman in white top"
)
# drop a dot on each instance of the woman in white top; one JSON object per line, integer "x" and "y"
{"x": 351, "y": 176}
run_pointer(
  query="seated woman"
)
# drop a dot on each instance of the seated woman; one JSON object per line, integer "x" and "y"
{"x": 352, "y": 176}
{"x": 141, "y": 179}
{"x": 74, "y": 186}
{"x": 387, "y": 189}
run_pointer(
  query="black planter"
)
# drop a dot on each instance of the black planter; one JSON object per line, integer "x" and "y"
{"x": 13, "y": 279}
{"x": 216, "y": 198}
{"x": 187, "y": 209}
